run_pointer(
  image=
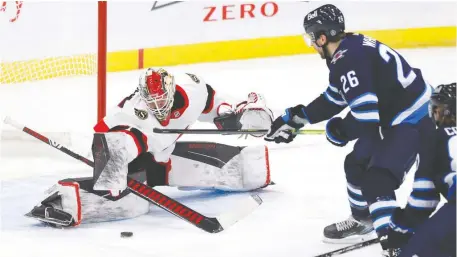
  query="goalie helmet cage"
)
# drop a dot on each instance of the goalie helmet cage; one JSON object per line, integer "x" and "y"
{"x": 62, "y": 61}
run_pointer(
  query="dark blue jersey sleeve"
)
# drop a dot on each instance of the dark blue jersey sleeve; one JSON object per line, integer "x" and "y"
{"x": 435, "y": 175}
{"x": 447, "y": 175}
{"x": 352, "y": 75}
{"x": 422, "y": 202}
{"x": 353, "y": 129}
{"x": 327, "y": 105}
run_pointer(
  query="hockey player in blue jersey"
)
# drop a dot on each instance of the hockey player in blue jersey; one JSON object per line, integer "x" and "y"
{"x": 388, "y": 101}
{"x": 412, "y": 232}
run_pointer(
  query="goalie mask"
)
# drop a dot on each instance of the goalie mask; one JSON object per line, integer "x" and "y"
{"x": 157, "y": 88}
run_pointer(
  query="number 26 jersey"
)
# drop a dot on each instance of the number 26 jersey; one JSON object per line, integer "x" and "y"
{"x": 375, "y": 82}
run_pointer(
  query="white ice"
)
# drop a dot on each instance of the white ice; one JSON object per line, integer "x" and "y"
{"x": 310, "y": 190}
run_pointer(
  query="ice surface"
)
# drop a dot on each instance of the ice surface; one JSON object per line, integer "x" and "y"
{"x": 310, "y": 190}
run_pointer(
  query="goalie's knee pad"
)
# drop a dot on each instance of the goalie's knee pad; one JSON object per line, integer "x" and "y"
{"x": 245, "y": 169}
{"x": 255, "y": 167}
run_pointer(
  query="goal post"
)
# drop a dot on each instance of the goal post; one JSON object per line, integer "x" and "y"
{"x": 53, "y": 66}
{"x": 101, "y": 59}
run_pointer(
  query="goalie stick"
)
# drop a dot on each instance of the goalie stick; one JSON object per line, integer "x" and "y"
{"x": 208, "y": 224}
{"x": 229, "y": 131}
{"x": 349, "y": 248}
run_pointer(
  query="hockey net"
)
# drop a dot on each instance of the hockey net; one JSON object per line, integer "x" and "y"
{"x": 48, "y": 68}
{"x": 52, "y": 77}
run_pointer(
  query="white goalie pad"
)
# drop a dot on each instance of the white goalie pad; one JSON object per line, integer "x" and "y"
{"x": 246, "y": 171}
{"x": 87, "y": 207}
{"x": 111, "y": 158}
{"x": 98, "y": 209}
{"x": 70, "y": 198}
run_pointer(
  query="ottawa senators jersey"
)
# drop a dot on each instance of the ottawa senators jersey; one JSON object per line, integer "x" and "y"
{"x": 194, "y": 100}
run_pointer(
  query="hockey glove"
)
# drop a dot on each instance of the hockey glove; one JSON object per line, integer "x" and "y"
{"x": 396, "y": 236}
{"x": 334, "y": 132}
{"x": 281, "y": 131}
{"x": 226, "y": 118}
{"x": 400, "y": 232}
{"x": 255, "y": 115}
{"x": 227, "y": 121}
{"x": 251, "y": 114}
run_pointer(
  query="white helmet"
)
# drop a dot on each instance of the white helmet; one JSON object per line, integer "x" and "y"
{"x": 157, "y": 88}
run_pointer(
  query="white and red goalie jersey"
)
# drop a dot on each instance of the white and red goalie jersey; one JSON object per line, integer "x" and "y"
{"x": 194, "y": 101}
{"x": 133, "y": 123}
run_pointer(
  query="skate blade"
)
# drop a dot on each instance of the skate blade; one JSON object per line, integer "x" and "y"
{"x": 351, "y": 239}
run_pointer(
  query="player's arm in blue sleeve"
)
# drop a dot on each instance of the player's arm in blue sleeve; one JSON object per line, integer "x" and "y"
{"x": 422, "y": 202}
{"x": 425, "y": 195}
{"x": 327, "y": 105}
{"x": 449, "y": 177}
{"x": 322, "y": 108}
{"x": 354, "y": 76}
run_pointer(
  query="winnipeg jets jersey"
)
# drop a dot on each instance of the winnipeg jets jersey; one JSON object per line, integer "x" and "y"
{"x": 375, "y": 82}
{"x": 437, "y": 176}
{"x": 194, "y": 100}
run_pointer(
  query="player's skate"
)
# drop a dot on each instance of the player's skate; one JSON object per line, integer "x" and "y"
{"x": 391, "y": 253}
{"x": 349, "y": 231}
{"x": 50, "y": 212}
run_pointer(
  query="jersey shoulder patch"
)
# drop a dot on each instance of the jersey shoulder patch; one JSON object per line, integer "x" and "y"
{"x": 141, "y": 114}
{"x": 194, "y": 78}
{"x": 338, "y": 55}
{"x": 188, "y": 79}
{"x": 348, "y": 56}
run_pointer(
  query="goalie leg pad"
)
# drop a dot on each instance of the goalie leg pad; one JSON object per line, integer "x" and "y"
{"x": 217, "y": 166}
{"x": 61, "y": 207}
{"x": 111, "y": 158}
{"x": 68, "y": 204}
{"x": 256, "y": 167}
{"x": 100, "y": 209}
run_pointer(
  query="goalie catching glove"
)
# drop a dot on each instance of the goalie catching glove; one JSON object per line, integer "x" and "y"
{"x": 250, "y": 114}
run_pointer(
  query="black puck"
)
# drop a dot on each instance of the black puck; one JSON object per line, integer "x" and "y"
{"x": 126, "y": 234}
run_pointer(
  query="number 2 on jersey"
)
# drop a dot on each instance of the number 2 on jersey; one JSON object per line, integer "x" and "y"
{"x": 386, "y": 53}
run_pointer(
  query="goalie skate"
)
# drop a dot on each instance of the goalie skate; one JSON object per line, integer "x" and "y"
{"x": 51, "y": 213}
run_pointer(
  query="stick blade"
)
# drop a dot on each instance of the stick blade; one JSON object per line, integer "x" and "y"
{"x": 244, "y": 207}
{"x": 349, "y": 248}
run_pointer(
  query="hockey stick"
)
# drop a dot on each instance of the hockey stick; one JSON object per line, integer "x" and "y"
{"x": 349, "y": 248}
{"x": 208, "y": 224}
{"x": 229, "y": 131}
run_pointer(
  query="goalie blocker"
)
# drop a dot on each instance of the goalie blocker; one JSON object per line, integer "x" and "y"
{"x": 193, "y": 165}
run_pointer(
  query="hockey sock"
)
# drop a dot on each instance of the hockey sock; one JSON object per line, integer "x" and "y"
{"x": 379, "y": 190}
{"x": 359, "y": 207}
{"x": 381, "y": 211}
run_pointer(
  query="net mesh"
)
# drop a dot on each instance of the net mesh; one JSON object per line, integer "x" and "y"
{"x": 48, "y": 73}
{"x": 40, "y": 69}
{"x": 32, "y": 54}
